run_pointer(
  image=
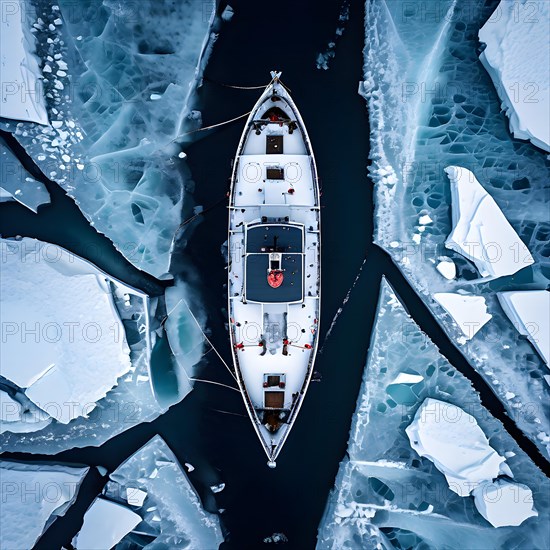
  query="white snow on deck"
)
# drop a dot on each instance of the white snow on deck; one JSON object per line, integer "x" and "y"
{"x": 32, "y": 496}
{"x": 503, "y": 503}
{"x": 469, "y": 312}
{"x": 22, "y": 90}
{"x": 529, "y": 311}
{"x": 452, "y": 439}
{"x": 481, "y": 232}
{"x": 517, "y": 58}
{"x": 106, "y": 523}
{"x": 62, "y": 337}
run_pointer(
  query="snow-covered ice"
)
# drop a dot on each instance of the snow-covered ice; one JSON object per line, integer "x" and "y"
{"x": 432, "y": 105}
{"x": 481, "y": 232}
{"x": 452, "y": 439}
{"x": 22, "y": 95}
{"x": 468, "y": 312}
{"x": 120, "y": 95}
{"x": 63, "y": 340}
{"x": 32, "y": 497}
{"x": 517, "y": 57}
{"x": 17, "y": 183}
{"x": 385, "y": 495}
{"x": 529, "y": 310}
{"x": 106, "y": 523}
{"x": 155, "y": 486}
{"x": 503, "y": 503}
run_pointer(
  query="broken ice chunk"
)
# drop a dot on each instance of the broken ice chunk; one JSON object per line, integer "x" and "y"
{"x": 228, "y": 13}
{"x": 106, "y": 523}
{"x": 33, "y": 496}
{"x": 529, "y": 311}
{"x": 218, "y": 488}
{"x": 452, "y": 439}
{"x": 22, "y": 91}
{"x": 517, "y": 58}
{"x": 469, "y": 312}
{"x": 406, "y": 378}
{"x": 174, "y": 515}
{"x": 135, "y": 496}
{"x": 481, "y": 232}
{"x": 63, "y": 339}
{"x": 447, "y": 268}
{"x": 503, "y": 503}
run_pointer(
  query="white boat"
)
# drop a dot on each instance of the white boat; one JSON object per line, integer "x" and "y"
{"x": 274, "y": 285}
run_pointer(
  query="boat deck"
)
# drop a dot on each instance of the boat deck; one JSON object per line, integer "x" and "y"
{"x": 274, "y": 271}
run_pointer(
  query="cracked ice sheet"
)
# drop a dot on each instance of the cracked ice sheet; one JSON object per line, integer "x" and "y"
{"x": 63, "y": 341}
{"x": 385, "y": 495}
{"x": 170, "y": 509}
{"x": 130, "y": 402}
{"x": 18, "y": 183}
{"x": 120, "y": 81}
{"x": 22, "y": 95}
{"x": 33, "y": 496}
{"x": 517, "y": 58}
{"x": 432, "y": 105}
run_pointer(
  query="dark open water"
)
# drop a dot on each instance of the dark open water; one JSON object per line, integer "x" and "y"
{"x": 223, "y": 447}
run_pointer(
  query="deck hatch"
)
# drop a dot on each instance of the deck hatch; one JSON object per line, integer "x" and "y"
{"x": 273, "y": 145}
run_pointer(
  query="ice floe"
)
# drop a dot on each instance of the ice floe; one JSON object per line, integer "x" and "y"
{"x": 17, "y": 183}
{"x": 121, "y": 97}
{"x": 385, "y": 495}
{"x": 529, "y": 311}
{"x": 163, "y": 509}
{"x": 22, "y": 95}
{"x": 63, "y": 341}
{"x": 503, "y": 503}
{"x": 106, "y": 523}
{"x": 469, "y": 312}
{"x": 33, "y": 496}
{"x": 517, "y": 57}
{"x": 481, "y": 232}
{"x": 452, "y": 439}
{"x": 433, "y": 105}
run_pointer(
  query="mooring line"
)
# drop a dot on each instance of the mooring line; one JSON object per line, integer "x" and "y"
{"x": 205, "y": 337}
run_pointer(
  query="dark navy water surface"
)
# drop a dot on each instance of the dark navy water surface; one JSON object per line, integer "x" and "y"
{"x": 210, "y": 428}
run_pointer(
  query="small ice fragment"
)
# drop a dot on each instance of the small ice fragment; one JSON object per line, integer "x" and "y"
{"x": 135, "y": 496}
{"x": 406, "y": 378}
{"x": 228, "y": 13}
{"x": 447, "y": 268}
{"x": 155, "y": 97}
{"x": 189, "y": 467}
{"x": 503, "y": 503}
{"x": 425, "y": 220}
{"x": 218, "y": 488}
{"x": 182, "y": 155}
